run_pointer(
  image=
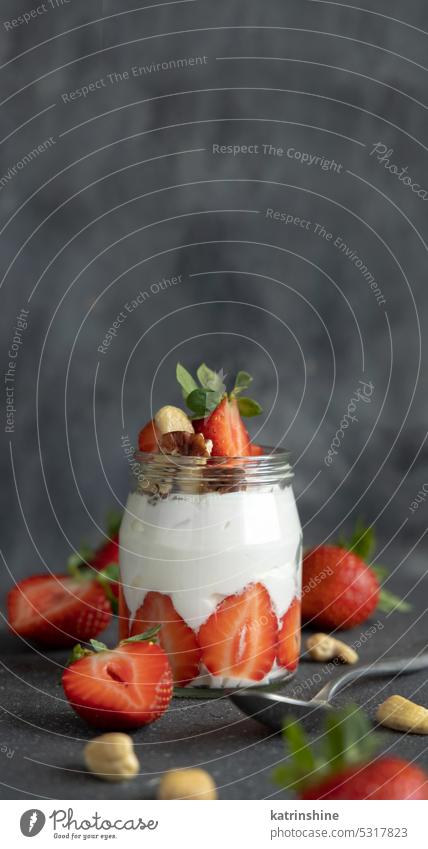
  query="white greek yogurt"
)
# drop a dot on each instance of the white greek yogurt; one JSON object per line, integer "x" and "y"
{"x": 200, "y": 548}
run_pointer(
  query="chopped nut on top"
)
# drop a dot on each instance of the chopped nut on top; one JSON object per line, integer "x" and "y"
{"x": 185, "y": 444}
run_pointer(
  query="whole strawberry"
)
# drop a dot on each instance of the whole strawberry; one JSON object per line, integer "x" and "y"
{"x": 103, "y": 559}
{"x": 341, "y": 766}
{"x": 339, "y": 589}
{"x": 56, "y": 610}
{"x": 120, "y": 688}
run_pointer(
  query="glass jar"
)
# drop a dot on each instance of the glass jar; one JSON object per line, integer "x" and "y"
{"x": 211, "y": 551}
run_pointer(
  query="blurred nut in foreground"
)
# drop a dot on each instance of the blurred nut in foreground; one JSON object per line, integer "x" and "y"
{"x": 169, "y": 419}
{"x": 323, "y": 647}
{"x": 111, "y": 757}
{"x": 187, "y": 784}
{"x": 403, "y": 715}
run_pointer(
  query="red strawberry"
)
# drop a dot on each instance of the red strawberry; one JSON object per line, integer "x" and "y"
{"x": 339, "y": 589}
{"x": 148, "y": 438}
{"x": 226, "y": 430}
{"x": 57, "y": 610}
{"x": 289, "y": 637}
{"x": 382, "y": 779}
{"x": 106, "y": 554}
{"x": 255, "y": 450}
{"x": 238, "y": 640}
{"x": 122, "y": 688}
{"x": 175, "y": 636}
{"x": 340, "y": 765}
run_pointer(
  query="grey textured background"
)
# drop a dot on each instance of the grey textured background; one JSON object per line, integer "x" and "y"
{"x": 97, "y": 223}
{"x": 130, "y": 192}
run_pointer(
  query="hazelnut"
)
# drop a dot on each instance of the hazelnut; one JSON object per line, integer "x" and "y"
{"x": 187, "y": 784}
{"x": 111, "y": 757}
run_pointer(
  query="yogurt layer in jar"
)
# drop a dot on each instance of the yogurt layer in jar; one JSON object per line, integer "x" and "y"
{"x": 211, "y": 551}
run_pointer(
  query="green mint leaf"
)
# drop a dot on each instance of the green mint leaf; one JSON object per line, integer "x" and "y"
{"x": 186, "y": 381}
{"x": 249, "y": 408}
{"x": 243, "y": 381}
{"x": 388, "y": 602}
{"x": 202, "y": 402}
{"x": 149, "y": 635}
{"x": 97, "y": 646}
{"x": 210, "y": 379}
{"x": 113, "y": 520}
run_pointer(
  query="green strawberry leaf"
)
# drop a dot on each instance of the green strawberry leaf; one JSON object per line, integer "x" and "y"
{"x": 211, "y": 380}
{"x": 149, "y": 635}
{"x": 186, "y": 381}
{"x": 113, "y": 520}
{"x": 79, "y": 559}
{"x": 107, "y": 576}
{"x": 242, "y": 381}
{"x": 362, "y": 541}
{"x": 77, "y": 653}
{"x": 388, "y": 602}
{"x": 98, "y": 646}
{"x": 248, "y": 407}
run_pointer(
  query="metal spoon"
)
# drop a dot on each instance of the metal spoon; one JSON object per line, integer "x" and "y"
{"x": 272, "y": 708}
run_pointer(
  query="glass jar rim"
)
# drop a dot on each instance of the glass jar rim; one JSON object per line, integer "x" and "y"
{"x": 271, "y": 466}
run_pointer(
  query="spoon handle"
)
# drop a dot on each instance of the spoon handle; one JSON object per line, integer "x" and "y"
{"x": 397, "y": 666}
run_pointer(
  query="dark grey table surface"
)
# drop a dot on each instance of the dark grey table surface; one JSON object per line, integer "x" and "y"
{"x": 41, "y": 739}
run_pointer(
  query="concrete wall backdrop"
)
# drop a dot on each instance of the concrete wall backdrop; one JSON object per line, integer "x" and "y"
{"x": 113, "y": 178}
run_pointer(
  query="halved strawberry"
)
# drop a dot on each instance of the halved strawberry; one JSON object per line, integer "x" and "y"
{"x": 289, "y": 637}
{"x": 120, "y": 689}
{"x": 238, "y": 640}
{"x": 148, "y": 438}
{"x": 255, "y": 450}
{"x": 175, "y": 636}
{"x": 226, "y": 430}
{"x": 58, "y": 610}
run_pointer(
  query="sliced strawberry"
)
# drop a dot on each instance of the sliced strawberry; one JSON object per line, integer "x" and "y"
{"x": 226, "y": 430}
{"x": 238, "y": 640}
{"x": 148, "y": 438}
{"x": 289, "y": 637}
{"x": 58, "y": 610}
{"x": 255, "y": 450}
{"x": 175, "y": 636}
{"x": 120, "y": 689}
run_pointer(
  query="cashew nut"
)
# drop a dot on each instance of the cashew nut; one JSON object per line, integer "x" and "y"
{"x": 111, "y": 757}
{"x": 187, "y": 784}
{"x": 323, "y": 647}
{"x": 169, "y": 419}
{"x": 403, "y": 715}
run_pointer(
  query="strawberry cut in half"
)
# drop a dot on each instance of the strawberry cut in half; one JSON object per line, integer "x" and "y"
{"x": 238, "y": 640}
{"x": 226, "y": 430}
{"x": 119, "y": 689}
{"x": 175, "y": 636}
{"x": 57, "y": 610}
{"x": 289, "y": 637}
{"x": 148, "y": 438}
